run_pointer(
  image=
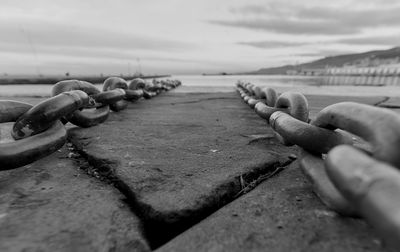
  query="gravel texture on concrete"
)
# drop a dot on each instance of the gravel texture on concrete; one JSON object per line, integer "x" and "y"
{"x": 52, "y": 205}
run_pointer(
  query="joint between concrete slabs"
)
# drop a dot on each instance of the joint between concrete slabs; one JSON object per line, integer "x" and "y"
{"x": 174, "y": 223}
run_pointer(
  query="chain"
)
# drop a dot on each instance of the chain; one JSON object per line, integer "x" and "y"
{"x": 292, "y": 103}
{"x": 115, "y": 83}
{"x": 40, "y": 117}
{"x": 349, "y": 153}
{"x": 39, "y": 131}
{"x": 370, "y": 185}
{"x": 313, "y": 168}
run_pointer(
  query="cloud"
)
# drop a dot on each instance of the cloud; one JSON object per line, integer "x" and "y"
{"x": 270, "y": 8}
{"x": 47, "y": 53}
{"x": 250, "y": 9}
{"x": 287, "y": 26}
{"x": 315, "y": 20}
{"x": 272, "y": 44}
{"x": 372, "y": 40}
{"x": 64, "y": 35}
{"x": 391, "y": 41}
{"x": 321, "y": 53}
{"x": 361, "y": 18}
{"x": 50, "y": 44}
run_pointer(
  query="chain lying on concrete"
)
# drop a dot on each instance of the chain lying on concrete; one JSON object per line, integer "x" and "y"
{"x": 349, "y": 153}
{"x": 39, "y": 131}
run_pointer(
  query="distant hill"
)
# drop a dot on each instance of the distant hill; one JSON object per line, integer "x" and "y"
{"x": 371, "y": 58}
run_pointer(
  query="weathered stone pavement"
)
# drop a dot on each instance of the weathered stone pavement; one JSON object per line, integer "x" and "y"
{"x": 178, "y": 158}
{"x": 180, "y": 162}
{"x": 51, "y": 205}
{"x": 282, "y": 214}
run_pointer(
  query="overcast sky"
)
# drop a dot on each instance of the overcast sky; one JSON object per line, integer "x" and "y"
{"x": 184, "y": 36}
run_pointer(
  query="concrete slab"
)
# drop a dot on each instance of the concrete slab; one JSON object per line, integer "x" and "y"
{"x": 52, "y": 205}
{"x": 281, "y": 214}
{"x": 179, "y": 157}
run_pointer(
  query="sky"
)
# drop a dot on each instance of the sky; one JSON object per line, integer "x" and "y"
{"x": 186, "y": 36}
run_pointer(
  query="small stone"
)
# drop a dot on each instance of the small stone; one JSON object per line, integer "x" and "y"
{"x": 257, "y": 212}
{"x": 324, "y": 213}
{"x": 135, "y": 163}
{"x": 72, "y": 155}
{"x": 377, "y": 242}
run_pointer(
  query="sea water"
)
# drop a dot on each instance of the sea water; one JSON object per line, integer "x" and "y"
{"x": 348, "y": 86}
{"x": 386, "y": 86}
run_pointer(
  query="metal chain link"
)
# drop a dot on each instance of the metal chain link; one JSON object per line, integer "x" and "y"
{"x": 38, "y": 130}
{"x": 292, "y": 103}
{"x": 371, "y": 186}
{"x": 349, "y": 154}
{"x": 42, "y": 116}
{"x": 113, "y": 83}
{"x": 32, "y": 148}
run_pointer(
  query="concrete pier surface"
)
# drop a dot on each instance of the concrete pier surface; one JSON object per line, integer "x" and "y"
{"x": 195, "y": 171}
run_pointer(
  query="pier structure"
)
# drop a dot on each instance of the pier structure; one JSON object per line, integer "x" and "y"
{"x": 185, "y": 172}
{"x": 387, "y": 75}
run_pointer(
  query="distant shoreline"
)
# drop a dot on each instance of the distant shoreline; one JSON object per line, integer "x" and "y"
{"x": 53, "y": 80}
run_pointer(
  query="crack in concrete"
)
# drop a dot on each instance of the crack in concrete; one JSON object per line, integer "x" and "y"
{"x": 389, "y": 106}
{"x": 253, "y": 184}
{"x": 385, "y": 99}
{"x": 159, "y": 228}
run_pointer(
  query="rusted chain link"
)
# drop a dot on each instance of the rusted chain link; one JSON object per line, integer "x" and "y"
{"x": 372, "y": 187}
{"x": 292, "y": 103}
{"x": 38, "y": 131}
{"x": 109, "y": 97}
{"x": 355, "y": 177}
{"x": 310, "y": 137}
{"x": 313, "y": 168}
{"x": 378, "y": 126}
{"x": 27, "y": 150}
{"x": 113, "y": 83}
{"x": 86, "y": 117}
{"x": 136, "y": 90}
{"x": 43, "y": 115}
